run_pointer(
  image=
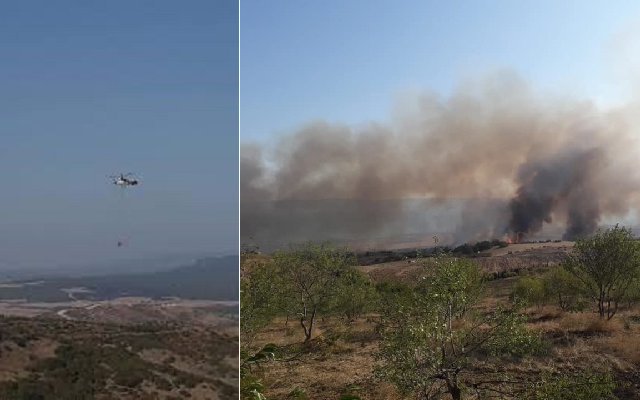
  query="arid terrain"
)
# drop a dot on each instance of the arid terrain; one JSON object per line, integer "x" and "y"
{"x": 125, "y": 348}
{"x": 341, "y": 356}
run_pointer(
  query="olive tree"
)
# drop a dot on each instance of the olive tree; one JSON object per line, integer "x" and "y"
{"x": 355, "y": 295}
{"x": 608, "y": 264}
{"x": 431, "y": 335}
{"x": 258, "y": 295}
{"x": 530, "y": 290}
{"x": 309, "y": 276}
{"x": 563, "y": 287}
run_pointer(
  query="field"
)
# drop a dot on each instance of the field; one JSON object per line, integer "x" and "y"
{"x": 341, "y": 356}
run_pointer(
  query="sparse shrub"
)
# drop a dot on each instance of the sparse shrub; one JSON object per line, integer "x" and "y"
{"x": 161, "y": 383}
{"x": 297, "y": 394}
{"x": 130, "y": 380}
{"x": 187, "y": 380}
{"x": 510, "y": 274}
{"x": 464, "y": 249}
{"x": 355, "y": 295}
{"x": 583, "y": 385}
{"x": 482, "y": 246}
{"x": 349, "y": 393}
{"x": 626, "y": 323}
{"x": 529, "y": 289}
{"x": 565, "y": 288}
{"x": 250, "y": 385}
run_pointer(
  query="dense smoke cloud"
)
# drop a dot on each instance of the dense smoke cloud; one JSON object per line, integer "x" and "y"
{"x": 495, "y": 158}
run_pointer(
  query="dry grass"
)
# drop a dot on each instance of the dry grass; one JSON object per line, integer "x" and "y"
{"x": 624, "y": 343}
{"x": 339, "y": 355}
{"x": 343, "y": 354}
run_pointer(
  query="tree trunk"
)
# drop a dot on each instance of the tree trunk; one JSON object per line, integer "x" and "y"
{"x": 601, "y": 305}
{"x": 454, "y": 389}
{"x": 307, "y": 331}
{"x": 456, "y": 393}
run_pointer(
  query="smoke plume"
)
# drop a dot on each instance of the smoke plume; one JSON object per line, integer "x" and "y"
{"x": 493, "y": 158}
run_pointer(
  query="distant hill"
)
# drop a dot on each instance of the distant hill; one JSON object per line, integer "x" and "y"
{"x": 54, "y": 358}
{"x": 156, "y": 263}
{"x": 211, "y": 278}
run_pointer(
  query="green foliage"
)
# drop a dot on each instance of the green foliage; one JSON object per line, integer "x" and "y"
{"x": 482, "y": 246}
{"x": 258, "y": 295}
{"x": 509, "y": 335}
{"x": 583, "y": 385}
{"x": 608, "y": 264}
{"x": 464, "y": 249}
{"x": 354, "y": 296}
{"x": 349, "y": 393}
{"x": 392, "y": 297}
{"x": 429, "y": 337}
{"x": 309, "y": 277}
{"x": 297, "y": 394}
{"x": 499, "y": 243}
{"x": 632, "y": 296}
{"x": 453, "y": 285}
{"x": 250, "y": 385}
{"x": 529, "y": 289}
{"x": 251, "y": 389}
{"x": 564, "y": 288}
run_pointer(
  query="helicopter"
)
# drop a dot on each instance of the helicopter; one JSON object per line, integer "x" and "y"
{"x": 123, "y": 180}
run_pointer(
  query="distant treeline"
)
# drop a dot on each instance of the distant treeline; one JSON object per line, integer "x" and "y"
{"x": 467, "y": 249}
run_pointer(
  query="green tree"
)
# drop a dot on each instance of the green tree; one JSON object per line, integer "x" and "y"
{"x": 529, "y": 289}
{"x": 259, "y": 303}
{"x": 562, "y": 286}
{"x": 608, "y": 264}
{"x": 430, "y": 338}
{"x": 258, "y": 294}
{"x": 633, "y": 293}
{"x": 355, "y": 295}
{"x": 309, "y": 276}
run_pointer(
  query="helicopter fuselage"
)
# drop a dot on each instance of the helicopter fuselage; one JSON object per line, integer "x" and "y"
{"x": 125, "y": 182}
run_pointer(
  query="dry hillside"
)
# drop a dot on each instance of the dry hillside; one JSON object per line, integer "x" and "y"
{"x": 341, "y": 356}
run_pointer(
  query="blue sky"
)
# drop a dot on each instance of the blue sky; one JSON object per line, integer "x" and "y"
{"x": 89, "y": 89}
{"x": 349, "y": 61}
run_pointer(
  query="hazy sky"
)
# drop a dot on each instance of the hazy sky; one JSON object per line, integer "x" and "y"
{"x": 89, "y": 89}
{"x": 350, "y": 61}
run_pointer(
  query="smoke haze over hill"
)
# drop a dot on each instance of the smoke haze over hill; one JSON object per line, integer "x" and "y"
{"x": 495, "y": 158}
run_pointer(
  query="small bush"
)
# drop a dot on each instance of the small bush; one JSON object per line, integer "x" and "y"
{"x": 529, "y": 289}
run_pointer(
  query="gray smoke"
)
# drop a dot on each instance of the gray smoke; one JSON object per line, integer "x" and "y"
{"x": 494, "y": 158}
{"x": 569, "y": 180}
